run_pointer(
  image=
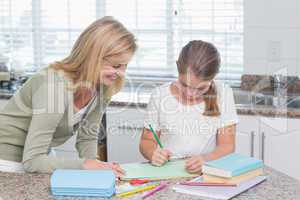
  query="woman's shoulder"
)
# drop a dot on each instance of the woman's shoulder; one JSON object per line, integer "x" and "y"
{"x": 48, "y": 76}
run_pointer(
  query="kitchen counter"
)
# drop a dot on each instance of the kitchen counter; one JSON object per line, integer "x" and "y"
{"x": 140, "y": 100}
{"x": 36, "y": 187}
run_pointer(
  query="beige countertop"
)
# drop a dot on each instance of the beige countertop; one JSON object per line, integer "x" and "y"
{"x": 37, "y": 187}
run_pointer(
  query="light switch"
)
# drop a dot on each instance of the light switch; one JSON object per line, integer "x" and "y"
{"x": 274, "y": 51}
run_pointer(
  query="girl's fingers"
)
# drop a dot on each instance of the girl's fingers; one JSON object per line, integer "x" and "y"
{"x": 195, "y": 166}
{"x": 195, "y": 171}
{"x": 162, "y": 157}
{"x": 191, "y": 162}
{"x": 155, "y": 163}
{"x": 158, "y": 162}
{"x": 166, "y": 153}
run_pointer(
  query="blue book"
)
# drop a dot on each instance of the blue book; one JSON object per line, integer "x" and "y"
{"x": 231, "y": 165}
{"x": 83, "y": 183}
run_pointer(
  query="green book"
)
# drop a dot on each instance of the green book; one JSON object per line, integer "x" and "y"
{"x": 172, "y": 169}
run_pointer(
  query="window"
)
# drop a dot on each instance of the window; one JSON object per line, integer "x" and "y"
{"x": 34, "y": 33}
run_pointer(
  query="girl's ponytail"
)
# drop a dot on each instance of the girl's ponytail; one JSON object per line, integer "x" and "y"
{"x": 211, "y": 101}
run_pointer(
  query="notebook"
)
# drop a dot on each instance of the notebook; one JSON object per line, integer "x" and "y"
{"x": 83, "y": 183}
{"x": 234, "y": 180}
{"x": 172, "y": 169}
{"x": 231, "y": 165}
{"x": 219, "y": 192}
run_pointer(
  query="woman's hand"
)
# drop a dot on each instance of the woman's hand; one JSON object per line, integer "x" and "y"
{"x": 160, "y": 156}
{"x": 194, "y": 164}
{"x": 98, "y": 165}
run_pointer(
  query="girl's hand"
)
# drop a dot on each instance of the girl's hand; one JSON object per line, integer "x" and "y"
{"x": 98, "y": 165}
{"x": 194, "y": 164}
{"x": 160, "y": 156}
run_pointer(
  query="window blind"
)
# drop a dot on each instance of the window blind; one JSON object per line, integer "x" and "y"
{"x": 35, "y": 33}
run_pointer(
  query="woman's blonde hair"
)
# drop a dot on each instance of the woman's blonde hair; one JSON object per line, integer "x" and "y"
{"x": 105, "y": 39}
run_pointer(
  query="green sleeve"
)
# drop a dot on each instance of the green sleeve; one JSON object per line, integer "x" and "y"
{"x": 47, "y": 111}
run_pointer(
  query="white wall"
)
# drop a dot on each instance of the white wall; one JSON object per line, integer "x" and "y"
{"x": 272, "y": 36}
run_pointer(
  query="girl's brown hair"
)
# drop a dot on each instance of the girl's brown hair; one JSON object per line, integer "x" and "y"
{"x": 203, "y": 60}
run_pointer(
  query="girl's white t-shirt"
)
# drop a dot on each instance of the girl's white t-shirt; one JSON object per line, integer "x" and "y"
{"x": 184, "y": 130}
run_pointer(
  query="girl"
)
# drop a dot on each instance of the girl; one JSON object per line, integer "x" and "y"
{"x": 65, "y": 98}
{"x": 195, "y": 117}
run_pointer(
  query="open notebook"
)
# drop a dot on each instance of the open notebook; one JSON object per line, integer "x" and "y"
{"x": 172, "y": 169}
{"x": 218, "y": 192}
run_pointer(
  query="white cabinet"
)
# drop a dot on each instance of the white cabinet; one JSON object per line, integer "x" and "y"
{"x": 275, "y": 140}
{"x": 2, "y": 103}
{"x": 124, "y": 129}
{"x": 280, "y": 145}
{"x": 247, "y": 133}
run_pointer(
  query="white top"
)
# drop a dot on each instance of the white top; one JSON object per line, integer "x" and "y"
{"x": 11, "y": 166}
{"x": 77, "y": 117}
{"x": 184, "y": 130}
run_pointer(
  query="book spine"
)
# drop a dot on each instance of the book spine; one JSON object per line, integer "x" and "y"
{"x": 247, "y": 169}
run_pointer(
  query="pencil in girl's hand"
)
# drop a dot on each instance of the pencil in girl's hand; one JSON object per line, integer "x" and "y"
{"x": 155, "y": 136}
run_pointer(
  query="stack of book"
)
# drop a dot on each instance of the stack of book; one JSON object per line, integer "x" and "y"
{"x": 232, "y": 169}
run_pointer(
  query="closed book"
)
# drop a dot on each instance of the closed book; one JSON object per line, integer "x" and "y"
{"x": 231, "y": 165}
{"x": 83, "y": 182}
{"x": 234, "y": 180}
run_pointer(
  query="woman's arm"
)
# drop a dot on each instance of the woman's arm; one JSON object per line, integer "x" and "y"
{"x": 225, "y": 145}
{"x": 47, "y": 112}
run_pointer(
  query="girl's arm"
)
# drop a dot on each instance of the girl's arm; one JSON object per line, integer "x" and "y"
{"x": 148, "y": 143}
{"x": 225, "y": 143}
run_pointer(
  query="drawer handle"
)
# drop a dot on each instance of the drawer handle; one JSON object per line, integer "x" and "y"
{"x": 263, "y": 137}
{"x": 252, "y": 144}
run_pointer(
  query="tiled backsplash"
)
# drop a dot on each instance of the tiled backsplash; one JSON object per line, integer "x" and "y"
{"x": 265, "y": 84}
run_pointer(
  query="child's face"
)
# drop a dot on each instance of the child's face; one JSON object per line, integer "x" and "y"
{"x": 191, "y": 86}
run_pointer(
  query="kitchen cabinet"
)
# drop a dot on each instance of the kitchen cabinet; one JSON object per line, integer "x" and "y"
{"x": 2, "y": 103}
{"x": 124, "y": 129}
{"x": 280, "y": 142}
{"x": 272, "y": 139}
{"x": 247, "y": 133}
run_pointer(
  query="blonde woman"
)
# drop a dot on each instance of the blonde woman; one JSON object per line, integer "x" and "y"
{"x": 66, "y": 98}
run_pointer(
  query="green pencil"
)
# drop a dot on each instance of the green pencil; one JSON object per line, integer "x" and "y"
{"x": 155, "y": 136}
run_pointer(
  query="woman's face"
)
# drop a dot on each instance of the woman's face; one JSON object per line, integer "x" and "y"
{"x": 114, "y": 68}
{"x": 192, "y": 87}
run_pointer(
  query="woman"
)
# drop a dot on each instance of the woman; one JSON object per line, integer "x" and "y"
{"x": 66, "y": 98}
{"x": 194, "y": 116}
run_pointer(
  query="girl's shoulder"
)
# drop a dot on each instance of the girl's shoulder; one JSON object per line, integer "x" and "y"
{"x": 222, "y": 87}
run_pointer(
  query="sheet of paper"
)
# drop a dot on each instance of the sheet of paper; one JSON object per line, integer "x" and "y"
{"x": 172, "y": 169}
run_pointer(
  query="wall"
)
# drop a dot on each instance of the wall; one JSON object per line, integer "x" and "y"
{"x": 272, "y": 36}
